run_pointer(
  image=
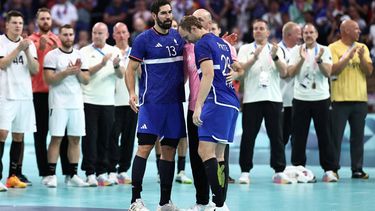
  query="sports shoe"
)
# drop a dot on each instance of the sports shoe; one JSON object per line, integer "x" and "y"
{"x": 210, "y": 206}
{"x": 330, "y": 176}
{"x": 15, "y": 182}
{"x": 182, "y": 178}
{"x": 167, "y": 207}
{"x": 24, "y": 179}
{"x": 281, "y": 178}
{"x": 44, "y": 180}
{"x": 123, "y": 178}
{"x": 244, "y": 178}
{"x": 103, "y": 180}
{"x": 112, "y": 177}
{"x": 360, "y": 175}
{"x": 51, "y": 181}
{"x": 223, "y": 208}
{"x": 76, "y": 181}
{"x": 91, "y": 180}
{"x": 3, "y": 188}
{"x": 138, "y": 205}
{"x": 67, "y": 178}
{"x": 231, "y": 180}
{"x": 197, "y": 207}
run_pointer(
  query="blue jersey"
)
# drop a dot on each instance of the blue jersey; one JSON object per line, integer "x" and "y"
{"x": 211, "y": 47}
{"x": 162, "y": 79}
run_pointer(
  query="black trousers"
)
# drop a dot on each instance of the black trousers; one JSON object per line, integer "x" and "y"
{"x": 99, "y": 121}
{"x": 40, "y": 137}
{"x": 318, "y": 111}
{"x": 252, "y": 116}
{"x": 202, "y": 187}
{"x": 286, "y": 123}
{"x": 354, "y": 113}
{"x": 124, "y": 125}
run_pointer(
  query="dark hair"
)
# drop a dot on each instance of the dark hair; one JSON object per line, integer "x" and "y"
{"x": 188, "y": 21}
{"x": 155, "y": 7}
{"x": 66, "y": 26}
{"x": 13, "y": 13}
{"x": 43, "y": 9}
{"x": 261, "y": 20}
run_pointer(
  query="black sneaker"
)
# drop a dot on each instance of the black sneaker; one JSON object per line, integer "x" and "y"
{"x": 231, "y": 180}
{"x": 24, "y": 179}
{"x": 360, "y": 175}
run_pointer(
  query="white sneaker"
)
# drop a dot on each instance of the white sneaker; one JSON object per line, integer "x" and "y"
{"x": 103, "y": 180}
{"x": 3, "y": 188}
{"x": 91, "y": 180}
{"x": 223, "y": 208}
{"x": 244, "y": 178}
{"x": 112, "y": 177}
{"x": 51, "y": 181}
{"x": 281, "y": 178}
{"x": 182, "y": 178}
{"x": 197, "y": 207}
{"x": 45, "y": 180}
{"x": 76, "y": 181}
{"x": 138, "y": 205}
{"x": 210, "y": 206}
{"x": 330, "y": 176}
{"x": 168, "y": 207}
{"x": 123, "y": 178}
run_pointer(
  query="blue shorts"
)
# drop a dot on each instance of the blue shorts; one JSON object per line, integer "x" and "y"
{"x": 219, "y": 123}
{"x": 163, "y": 120}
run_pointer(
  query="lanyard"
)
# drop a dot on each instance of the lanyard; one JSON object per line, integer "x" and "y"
{"x": 100, "y": 51}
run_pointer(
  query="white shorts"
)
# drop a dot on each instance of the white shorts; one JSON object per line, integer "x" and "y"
{"x": 71, "y": 119}
{"x": 17, "y": 116}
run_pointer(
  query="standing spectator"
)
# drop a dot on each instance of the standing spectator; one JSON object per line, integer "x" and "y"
{"x": 84, "y": 9}
{"x": 181, "y": 8}
{"x": 351, "y": 65}
{"x": 115, "y": 12}
{"x": 264, "y": 65}
{"x": 311, "y": 65}
{"x": 18, "y": 61}
{"x": 63, "y": 12}
{"x": 125, "y": 118}
{"x": 99, "y": 101}
{"x": 64, "y": 70}
{"x": 273, "y": 17}
{"x": 142, "y": 11}
{"x": 44, "y": 41}
{"x": 83, "y": 39}
{"x": 139, "y": 26}
{"x": 218, "y": 9}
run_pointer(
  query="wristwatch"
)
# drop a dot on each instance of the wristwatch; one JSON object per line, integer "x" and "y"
{"x": 319, "y": 61}
{"x": 275, "y": 58}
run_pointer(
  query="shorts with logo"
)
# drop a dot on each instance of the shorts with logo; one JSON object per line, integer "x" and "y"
{"x": 219, "y": 123}
{"x": 73, "y": 120}
{"x": 17, "y": 116}
{"x": 163, "y": 120}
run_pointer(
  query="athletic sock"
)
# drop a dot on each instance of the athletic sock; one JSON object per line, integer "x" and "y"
{"x": 2, "y": 144}
{"x": 158, "y": 161}
{"x": 51, "y": 169}
{"x": 15, "y": 150}
{"x": 138, "y": 171}
{"x": 166, "y": 179}
{"x": 181, "y": 163}
{"x": 215, "y": 177}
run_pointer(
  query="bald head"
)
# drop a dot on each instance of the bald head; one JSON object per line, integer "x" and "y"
{"x": 99, "y": 34}
{"x": 291, "y": 34}
{"x": 120, "y": 33}
{"x": 204, "y": 17}
{"x": 119, "y": 26}
{"x": 349, "y": 30}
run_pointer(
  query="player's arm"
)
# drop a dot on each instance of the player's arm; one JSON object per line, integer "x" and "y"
{"x": 249, "y": 63}
{"x": 339, "y": 66}
{"x": 130, "y": 82}
{"x": 94, "y": 69}
{"x": 119, "y": 70}
{"x": 294, "y": 69}
{"x": 52, "y": 77}
{"x": 84, "y": 77}
{"x": 280, "y": 65}
{"x": 8, "y": 59}
{"x": 365, "y": 61}
{"x": 32, "y": 63}
{"x": 207, "y": 68}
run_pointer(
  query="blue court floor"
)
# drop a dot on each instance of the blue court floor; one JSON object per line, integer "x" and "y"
{"x": 261, "y": 194}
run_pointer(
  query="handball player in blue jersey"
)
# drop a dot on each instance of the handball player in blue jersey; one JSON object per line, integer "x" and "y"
{"x": 159, "y": 51}
{"x": 217, "y": 106}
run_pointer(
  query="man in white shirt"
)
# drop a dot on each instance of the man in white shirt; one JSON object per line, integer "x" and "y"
{"x": 125, "y": 118}
{"x": 311, "y": 66}
{"x": 291, "y": 37}
{"x": 18, "y": 61}
{"x": 99, "y": 101}
{"x": 64, "y": 70}
{"x": 264, "y": 65}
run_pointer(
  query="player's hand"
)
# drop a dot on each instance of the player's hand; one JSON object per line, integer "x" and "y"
{"x": 24, "y": 44}
{"x": 197, "y": 116}
{"x": 302, "y": 52}
{"x": 43, "y": 42}
{"x": 319, "y": 56}
{"x": 352, "y": 51}
{"x": 361, "y": 52}
{"x": 72, "y": 69}
{"x": 116, "y": 61}
{"x": 230, "y": 38}
{"x": 274, "y": 49}
{"x": 231, "y": 76}
{"x": 78, "y": 63}
{"x": 106, "y": 58}
{"x": 257, "y": 52}
{"x": 133, "y": 102}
